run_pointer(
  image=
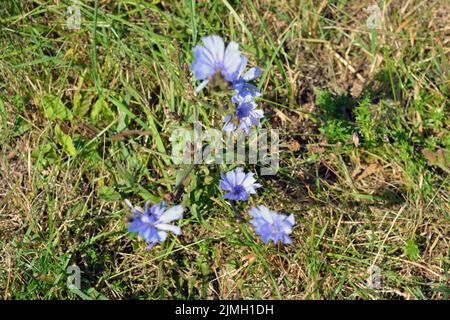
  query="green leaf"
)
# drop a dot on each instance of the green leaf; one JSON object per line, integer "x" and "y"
{"x": 95, "y": 294}
{"x": 54, "y": 108}
{"x": 76, "y": 101}
{"x": 44, "y": 154}
{"x": 83, "y": 107}
{"x": 101, "y": 107}
{"x": 78, "y": 292}
{"x": 145, "y": 194}
{"x": 65, "y": 141}
{"x": 411, "y": 250}
{"x": 109, "y": 194}
{"x": 20, "y": 127}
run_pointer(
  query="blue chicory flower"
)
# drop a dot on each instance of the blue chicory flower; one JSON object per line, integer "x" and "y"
{"x": 213, "y": 58}
{"x": 246, "y": 113}
{"x": 238, "y": 184}
{"x": 152, "y": 224}
{"x": 270, "y": 225}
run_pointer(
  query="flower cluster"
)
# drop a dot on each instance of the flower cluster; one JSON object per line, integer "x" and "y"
{"x": 225, "y": 67}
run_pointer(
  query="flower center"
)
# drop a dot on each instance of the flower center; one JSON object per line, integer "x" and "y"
{"x": 240, "y": 192}
{"x": 243, "y": 111}
{"x": 217, "y": 80}
{"x": 276, "y": 228}
{"x": 146, "y": 219}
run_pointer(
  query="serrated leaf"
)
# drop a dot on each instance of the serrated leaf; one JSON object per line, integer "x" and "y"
{"x": 65, "y": 141}
{"x": 76, "y": 101}
{"x": 81, "y": 108}
{"x": 54, "y": 108}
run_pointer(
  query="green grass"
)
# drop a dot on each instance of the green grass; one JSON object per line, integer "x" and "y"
{"x": 85, "y": 122}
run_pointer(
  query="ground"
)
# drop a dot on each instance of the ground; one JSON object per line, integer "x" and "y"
{"x": 363, "y": 115}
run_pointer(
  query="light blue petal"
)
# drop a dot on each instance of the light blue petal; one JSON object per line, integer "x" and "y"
{"x": 231, "y": 178}
{"x": 168, "y": 227}
{"x": 171, "y": 214}
{"x": 291, "y": 220}
{"x": 151, "y": 245}
{"x": 231, "y": 62}
{"x": 229, "y": 125}
{"x": 162, "y": 236}
{"x": 240, "y": 176}
{"x": 201, "y": 86}
{"x": 215, "y": 46}
{"x": 252, "y": 74}
{"x": 224, "y": 185}
{"x": 202, "y": 66}
{"x": 266, "y": 214}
